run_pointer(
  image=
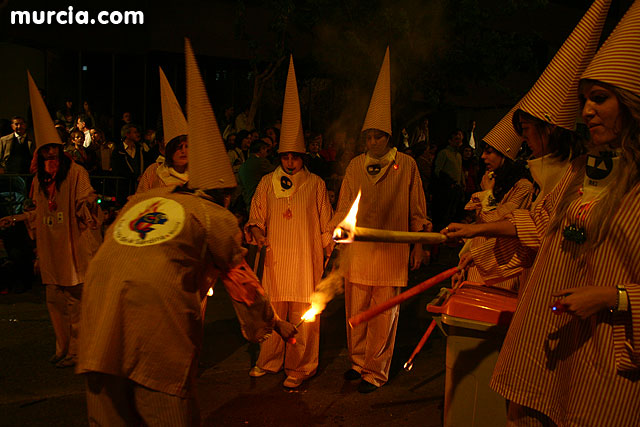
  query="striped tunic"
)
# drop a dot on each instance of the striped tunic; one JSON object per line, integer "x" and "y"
{"x": 395, "y": 202}
{"x": 69, "y": 235}
{"x": 510, "y": 257}
{"x": 141, "y": 313}
{"x": 293, "y": 262}
{"x": 578, "y": 372}
{"x": 518, "y": 197}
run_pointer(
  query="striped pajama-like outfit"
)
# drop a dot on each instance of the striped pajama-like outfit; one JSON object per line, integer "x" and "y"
{"x": 378, "y": 271}
{"x": 578, "y": 372}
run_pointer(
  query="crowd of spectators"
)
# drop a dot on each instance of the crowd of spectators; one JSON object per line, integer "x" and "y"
{"x": 450, "y": 170}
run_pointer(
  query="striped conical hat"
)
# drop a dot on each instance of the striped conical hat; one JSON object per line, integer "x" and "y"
{"x": 618, "y": 60}
{"x": 43, "y": 127}
{"x": 379, "y": 112}
{"x": 291, "y": 135}
{"x": 553, "y": 97}
{"x": 209, "y": 165}
{"x": 173, "y": 121}
{"x": 504, "y": 138}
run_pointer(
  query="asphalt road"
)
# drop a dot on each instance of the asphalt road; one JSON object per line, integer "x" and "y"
{"x": 34, "y": 393}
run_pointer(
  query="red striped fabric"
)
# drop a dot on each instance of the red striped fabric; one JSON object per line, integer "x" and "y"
{"x": 291, "y": 134}
{"x": 379, "y": 112}
{"x": 618, "y": 60}
{"x": 519, "y": 197}
{"x": 578, "y": 372}
{"x": 553, "y": 97}
{"x": 293, "y": 262}
{"x": 503, "y": 136}
{"x": 395, "y": 202}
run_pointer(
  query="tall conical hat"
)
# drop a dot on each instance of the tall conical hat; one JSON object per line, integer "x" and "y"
{"x": 618, "y": 60}
{"x": 291, "y": 134}
{"x": 209, "y": 165}
{"x": 553, "y": 98}
{"x": 503, "y": 137}
{"x": 45, "y": 131}
{"x": 379, "y": 112}
{"x": 173, "y": 121}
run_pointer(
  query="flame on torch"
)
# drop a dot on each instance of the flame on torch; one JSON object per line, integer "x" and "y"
{"x": 344, "y": 232}
{"x": 210, "y": 292}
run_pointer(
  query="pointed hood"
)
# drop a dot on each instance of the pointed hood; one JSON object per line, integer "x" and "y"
{"x": 379, "y": 112}
{"x": 173, "y": 120}
{"x": 553, "y": 97}
{"x": 43, "y": 127}
{"x": 291, "y": 134}
{"x": 504, "y": 138}
{"x": 618, "y": 60}
{"x": 209, "y": 165}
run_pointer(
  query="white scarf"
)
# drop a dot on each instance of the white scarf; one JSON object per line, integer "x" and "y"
{"x": 547, "y": 171}
{"x": 285, "y": 185}
{"x": 376, "y": 168}
{"x": 170, "y": 176}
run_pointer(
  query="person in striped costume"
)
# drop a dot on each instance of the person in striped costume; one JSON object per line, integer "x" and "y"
{"x": 290, "y": 213}
{"x": 392, "y": 199}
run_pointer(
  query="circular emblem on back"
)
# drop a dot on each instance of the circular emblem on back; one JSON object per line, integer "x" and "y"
{"x": 285, "y": 182}
{"x": 150, "y": 222}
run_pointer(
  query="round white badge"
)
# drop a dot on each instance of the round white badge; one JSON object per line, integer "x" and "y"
{"x": 150, "y": 222}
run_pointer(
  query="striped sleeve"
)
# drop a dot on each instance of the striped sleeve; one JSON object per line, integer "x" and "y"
{"x": 501, "y": 258}
{"x": 417, "y": 202}
{"x": 258, "y": 212}
{"x": 323, "y": 206}
{"x": 346, "y": 198}
{"x": 519, "y": 197}
{"x": 146, "y": 180}
{"x": 626, "y": 333}
{"x": 88, "y": 212}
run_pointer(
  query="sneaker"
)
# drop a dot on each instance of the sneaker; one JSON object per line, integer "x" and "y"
{"x": 352, "y": 375}
{"x": 257, "y": 372}
{"x": 292, "y": 382}
{"x": 366, "y": 387}
{"x": 67, "y": 362}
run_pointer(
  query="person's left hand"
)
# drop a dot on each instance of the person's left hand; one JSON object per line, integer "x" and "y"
{"x": 586, "y": 301}
{"x": 417, "y": 257}
{"x": 285, "y": 329}
{"x": 488, "y": 181}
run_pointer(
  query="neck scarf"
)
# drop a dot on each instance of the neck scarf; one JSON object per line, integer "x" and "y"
{"x": 376, "y": 168}
{"x": 285, "y": 185}
{"x": 546, "y": 172}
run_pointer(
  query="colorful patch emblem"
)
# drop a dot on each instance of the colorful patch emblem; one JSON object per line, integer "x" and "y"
{"x": 150, "y": 222}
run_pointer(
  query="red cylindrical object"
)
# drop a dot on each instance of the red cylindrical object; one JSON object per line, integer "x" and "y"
{"x": 418, "y": 348}
{"x": 374, "y": 311}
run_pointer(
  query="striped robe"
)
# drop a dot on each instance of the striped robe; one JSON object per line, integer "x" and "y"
{"x": 67, "y": 237}
{"x": 505, "y": 258}
{"x": 158, "y": 175}
{"x": 518, "y": 197}
{"x": 294, "y": 261}
{"x": 578, "y": 372}
{"x": 396, "y": 202}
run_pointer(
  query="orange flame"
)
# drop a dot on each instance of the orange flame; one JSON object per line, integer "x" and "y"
{"x": 344, "y": 231}
{"x": 210, "y": 292}
{"x": 310, "y": 315}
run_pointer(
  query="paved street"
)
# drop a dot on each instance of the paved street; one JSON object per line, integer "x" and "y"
{"x": 34, "y": 393}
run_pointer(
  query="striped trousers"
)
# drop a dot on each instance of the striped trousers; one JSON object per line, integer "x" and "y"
{"x": 371, "y": 343}
{"x": 114, "y": 401}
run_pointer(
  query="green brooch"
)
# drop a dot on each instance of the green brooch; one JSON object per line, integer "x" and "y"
{"x": 574, "y": 234}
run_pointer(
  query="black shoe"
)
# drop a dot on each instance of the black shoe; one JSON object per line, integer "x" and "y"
{"x": 366, "y": 387}
{"x": 352, "y": 375}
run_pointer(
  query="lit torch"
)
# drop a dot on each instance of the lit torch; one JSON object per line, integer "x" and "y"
{"x": 308, "y": 316}
{"x": 347, "y": 232}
